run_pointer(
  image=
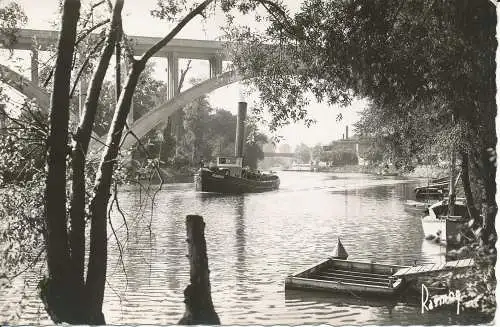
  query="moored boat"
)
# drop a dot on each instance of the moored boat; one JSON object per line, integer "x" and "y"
{"x": 434, "y": 191}
{"x": 300, "y": 167}
{"x": 337, "y": 274}
{"x": 416, "y": 208}
{"x": 347, "y": 276}
{"x": 435, "y": 224}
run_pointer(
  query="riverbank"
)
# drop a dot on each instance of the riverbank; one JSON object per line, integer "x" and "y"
{"x": 423, "y": 171}
{"x": 182, "y": 175}
{"x": 168, "y": 175}
{"x": 427, "y": 171}
{"x": 185, "y": 174}
{"x": 349, "y": 169}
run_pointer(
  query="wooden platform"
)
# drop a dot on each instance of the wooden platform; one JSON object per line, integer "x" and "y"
{"x": 416, "y": 271}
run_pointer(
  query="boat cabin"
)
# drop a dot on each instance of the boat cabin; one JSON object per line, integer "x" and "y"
{"x": 231, "y": 166}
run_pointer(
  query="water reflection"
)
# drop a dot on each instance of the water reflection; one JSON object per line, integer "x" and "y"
{"x": 338, "y": 300}
{"x": 240, "y": 242}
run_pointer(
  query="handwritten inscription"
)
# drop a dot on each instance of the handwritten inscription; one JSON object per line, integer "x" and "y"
{"x": 431, "y": 302}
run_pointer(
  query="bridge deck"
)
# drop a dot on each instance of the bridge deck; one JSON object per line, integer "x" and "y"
{"x": 433, "y": 268}
{"x": 184, "y": 48}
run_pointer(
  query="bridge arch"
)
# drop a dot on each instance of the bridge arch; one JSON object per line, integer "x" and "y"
{"x": 25, "y": 86}
{"x": 160, "y": 114}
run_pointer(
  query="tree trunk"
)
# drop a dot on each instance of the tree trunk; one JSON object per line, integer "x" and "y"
{"x": 474, "y": 214}
{"x": 197, "y": 295}
{"x": 55, "y": 291}
{"x": 79, "y": 153}
{"x": 489, "y": 208}
{"x": 96, "y": 274}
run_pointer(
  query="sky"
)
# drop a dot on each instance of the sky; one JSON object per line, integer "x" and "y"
{"x": 138, "y": 21}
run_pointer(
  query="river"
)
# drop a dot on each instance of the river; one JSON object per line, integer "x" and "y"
{"x": 254, "y": 241}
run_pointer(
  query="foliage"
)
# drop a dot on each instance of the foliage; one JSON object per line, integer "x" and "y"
{"x": 340, "y": 157}
{"x": 21, "y": 226}
{"x": 253, "y": 145}
{"x": 396, "y": 54}
{"x": 303, "y": 153}
{"x": 149, "y": 94}
{"x": 22, "y": 156}
{"x": 317, "y": 153}
{"x": 22, "y": 150}
{"x": 428, "y": 68}
{"x": 12, "y": 16}
{"x": 196, "y": 115}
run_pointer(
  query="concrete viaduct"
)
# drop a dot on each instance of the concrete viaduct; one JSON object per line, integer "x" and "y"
{"x": 213, "y": 51}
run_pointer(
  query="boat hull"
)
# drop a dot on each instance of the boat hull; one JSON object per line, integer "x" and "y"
{"x": 439, "y": 227}
{"x": 443, "y": 228}
{"x": 416, "y": 208}
{"x": 210, "y": 181}
{"x": 434, "y": 229}
{"x": 345, "y": 276}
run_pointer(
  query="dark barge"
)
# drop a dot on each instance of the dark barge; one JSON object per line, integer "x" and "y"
{"x": 228, "y": 175}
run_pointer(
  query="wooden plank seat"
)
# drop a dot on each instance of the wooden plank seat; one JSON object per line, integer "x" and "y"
{"x": 353, "y": 275}
{"x": 333, "y": 269}
{"x": 352, "y": 280}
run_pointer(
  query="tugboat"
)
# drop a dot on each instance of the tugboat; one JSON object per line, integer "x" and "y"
{"x": 229, "y": 176}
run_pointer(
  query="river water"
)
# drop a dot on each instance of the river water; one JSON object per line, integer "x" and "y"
{"x": 254, "y": 241}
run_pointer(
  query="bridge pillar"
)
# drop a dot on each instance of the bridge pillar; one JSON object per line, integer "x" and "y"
{"x": 34, "y": 67}
{"x": 175, "y": 119}
{"x": 215, "y": 66}
{"x": 173, "y": 74}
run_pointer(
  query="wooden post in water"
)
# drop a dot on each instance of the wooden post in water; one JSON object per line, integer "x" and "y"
{"x": 197, "y": 295}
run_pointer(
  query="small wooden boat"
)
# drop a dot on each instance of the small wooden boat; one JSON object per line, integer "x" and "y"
{"x": 440, "y": 180}
{"x": 437, "y": 188}
{"x": 416, "y": 208}
{"x": 346, "y": 276}
{"x": 434, "y": 191}
{"x": 337, "y": 274}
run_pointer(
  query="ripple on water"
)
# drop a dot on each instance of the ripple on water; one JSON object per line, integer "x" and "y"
{"x": 254, "y": 241}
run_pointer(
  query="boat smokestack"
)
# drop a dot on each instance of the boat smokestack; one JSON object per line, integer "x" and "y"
{"x": 240, "y": 129}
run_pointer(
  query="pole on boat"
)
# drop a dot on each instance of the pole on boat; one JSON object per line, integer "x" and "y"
{"x": 339, "y": 251}
{"x": 240, "y": 129}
